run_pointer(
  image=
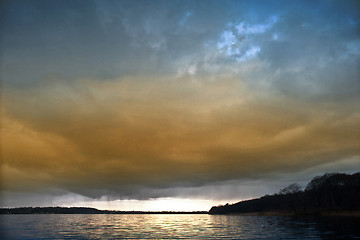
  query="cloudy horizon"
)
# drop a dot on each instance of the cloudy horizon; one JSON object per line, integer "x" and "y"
{"x": 138, "y": 105}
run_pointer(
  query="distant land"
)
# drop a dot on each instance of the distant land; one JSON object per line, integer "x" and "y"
{"x": 329, "y": 194}
{"x": 82, "y": 210}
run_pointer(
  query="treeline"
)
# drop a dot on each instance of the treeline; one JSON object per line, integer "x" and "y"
{"x": 50, "y": 210}
{"x": 331, "y": 192}
{"x": 80, "y": 210}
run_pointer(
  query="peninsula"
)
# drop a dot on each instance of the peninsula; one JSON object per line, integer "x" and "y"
{"x": 329, "y": 194}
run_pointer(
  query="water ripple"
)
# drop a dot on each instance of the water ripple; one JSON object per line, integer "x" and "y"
{"x": 177, "y": 226}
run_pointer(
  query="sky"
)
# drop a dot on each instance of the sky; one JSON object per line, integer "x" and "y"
{"x": 174, "y": 105}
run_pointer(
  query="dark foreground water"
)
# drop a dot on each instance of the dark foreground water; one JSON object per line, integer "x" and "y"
{"x": 177, "y": 226}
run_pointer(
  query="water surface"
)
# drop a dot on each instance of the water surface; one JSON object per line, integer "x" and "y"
{"x": 175, "y": 226}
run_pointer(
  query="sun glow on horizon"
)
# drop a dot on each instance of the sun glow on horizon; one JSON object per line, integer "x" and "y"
{"x": 151, "y": 205}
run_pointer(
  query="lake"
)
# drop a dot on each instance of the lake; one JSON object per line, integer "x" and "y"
{"x": 175, "y": 226}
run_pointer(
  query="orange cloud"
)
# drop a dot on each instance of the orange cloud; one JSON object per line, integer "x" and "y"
{"x": 128, "y": 133}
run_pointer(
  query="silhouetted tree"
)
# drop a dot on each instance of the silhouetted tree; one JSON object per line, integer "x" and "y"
{"x": 317, "y": 181}
{"x": 292, "y": 188}
{"x": 329, "y": 192}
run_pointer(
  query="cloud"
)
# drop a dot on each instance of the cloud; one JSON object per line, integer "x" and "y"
{"x": 136, "y": 100}
{"x": 117, "y": 137}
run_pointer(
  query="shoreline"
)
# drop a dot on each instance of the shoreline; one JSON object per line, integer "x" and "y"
{"x": 69, "y": 211}
{"x": 291, "y": 214}
{"x": 83, "y": 210}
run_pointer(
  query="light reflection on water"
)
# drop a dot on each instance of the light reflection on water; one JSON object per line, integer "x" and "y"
{"x": 178, "y": 226}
